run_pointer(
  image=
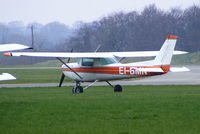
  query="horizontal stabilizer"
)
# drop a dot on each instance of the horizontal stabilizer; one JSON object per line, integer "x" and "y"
{"x": 154, "y": 70}
{"x": 6, "y": 76}
{"x": 179, "y": 69}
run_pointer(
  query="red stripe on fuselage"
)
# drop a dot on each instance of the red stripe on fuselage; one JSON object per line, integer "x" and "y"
{"x": 122, "y": 70}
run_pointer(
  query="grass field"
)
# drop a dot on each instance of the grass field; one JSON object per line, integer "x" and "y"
{"x": 187, "y": 59}
{"x": 34, "y": 76}
{"x": 137, "y": 110}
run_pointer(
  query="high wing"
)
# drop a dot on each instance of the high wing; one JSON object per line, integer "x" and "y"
{"x": 12, "y": 47}
{"x": 90, "y": 54}
{"x": 6, "y": 76}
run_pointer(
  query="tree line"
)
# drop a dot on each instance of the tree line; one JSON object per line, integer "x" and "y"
{"x": 45, "y": 38}
{"x": 132, "y": 31}
{"x": 145, "y": 30}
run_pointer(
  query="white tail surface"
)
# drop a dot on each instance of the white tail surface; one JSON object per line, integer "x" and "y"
{"x": 165, "y": 54}
{"x": 6, "y": 76}
{"x": 179, "y": 69}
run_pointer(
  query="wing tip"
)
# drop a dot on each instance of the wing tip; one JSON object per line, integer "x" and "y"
{"x": 172, "y": 37}
{"x": 30, "y": 48}
{"x": 7, "y": 54}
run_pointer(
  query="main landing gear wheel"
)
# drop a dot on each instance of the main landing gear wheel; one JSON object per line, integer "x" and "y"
{"x": 118, "y": 88}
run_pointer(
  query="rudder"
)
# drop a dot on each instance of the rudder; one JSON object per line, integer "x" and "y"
{"x": 165, "y": 54}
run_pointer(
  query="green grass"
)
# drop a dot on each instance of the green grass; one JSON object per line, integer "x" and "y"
{"x": 48, "y": 63}
{"x": 137, "y": 110}
{"x": 187, "y": 59}
{"x": 34, "y": 76}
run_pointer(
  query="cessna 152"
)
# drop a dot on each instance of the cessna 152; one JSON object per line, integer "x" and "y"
{"x": 6, "y": 48}
{"x": 104, "y": 66}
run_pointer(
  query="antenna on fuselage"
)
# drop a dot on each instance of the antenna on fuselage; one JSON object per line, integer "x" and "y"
{"x": 98, "y": 47}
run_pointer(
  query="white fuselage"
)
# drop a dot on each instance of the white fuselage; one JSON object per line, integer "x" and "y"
{"x": 112, "y": 71}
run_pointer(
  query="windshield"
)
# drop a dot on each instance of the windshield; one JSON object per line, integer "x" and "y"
{"x": 106, "y": 61}
{"x": 87, "y": 62}
{"x": 96, "y": 61}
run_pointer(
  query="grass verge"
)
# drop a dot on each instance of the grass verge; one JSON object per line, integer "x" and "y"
{"x": 138, "y": 110}
{"x": 34, "y": 76}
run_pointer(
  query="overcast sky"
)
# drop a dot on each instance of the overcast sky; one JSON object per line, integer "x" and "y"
{"x": 71, "y": 11}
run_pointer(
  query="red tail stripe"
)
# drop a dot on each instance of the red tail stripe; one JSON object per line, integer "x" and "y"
{"x": 172, "y": 37}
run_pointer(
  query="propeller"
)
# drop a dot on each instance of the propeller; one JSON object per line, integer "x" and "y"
{"x": 63, "y": 75}
{"x": 61, "y": 79}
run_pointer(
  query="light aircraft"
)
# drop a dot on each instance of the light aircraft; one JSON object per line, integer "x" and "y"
{"x": 6, "y": 48}
{"x": 104, "y": 66}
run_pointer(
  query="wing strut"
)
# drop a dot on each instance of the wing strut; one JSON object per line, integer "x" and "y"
{"x": 70, "y": 68}
{"x": 110, "y": 84}
{"x": 90, "y": 85}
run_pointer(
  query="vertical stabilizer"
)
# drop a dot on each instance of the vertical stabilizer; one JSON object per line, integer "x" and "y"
{"x": 165, "y": 54}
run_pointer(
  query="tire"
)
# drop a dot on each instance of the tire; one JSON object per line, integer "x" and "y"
{"x": 118, "y": 88}
{"x": 78, "y": 89}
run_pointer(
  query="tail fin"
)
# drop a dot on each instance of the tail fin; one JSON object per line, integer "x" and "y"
{"x": 165, "y": 54}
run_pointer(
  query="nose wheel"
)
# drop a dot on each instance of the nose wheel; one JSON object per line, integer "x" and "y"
{"x": 77, "y": 89}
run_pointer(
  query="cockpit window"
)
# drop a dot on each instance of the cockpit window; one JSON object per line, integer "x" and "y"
{"x": 106, "y": 61}
{"x": 87, "y": 62}
{"x": 96, "y": 61}
{"x": 78, "y": 61}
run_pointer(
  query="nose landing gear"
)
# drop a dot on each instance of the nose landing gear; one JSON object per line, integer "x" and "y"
{"x": 77, "y": 89}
